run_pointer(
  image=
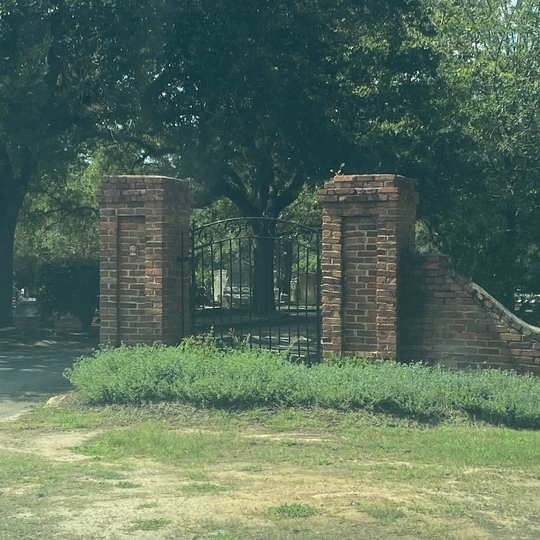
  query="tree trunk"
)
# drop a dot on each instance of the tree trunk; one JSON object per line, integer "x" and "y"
{"x": 263, "y": 302}
{"x": 10, "y": 205}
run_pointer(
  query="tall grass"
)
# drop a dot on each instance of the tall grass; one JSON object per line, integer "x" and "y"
{"x": 203, "y": 375}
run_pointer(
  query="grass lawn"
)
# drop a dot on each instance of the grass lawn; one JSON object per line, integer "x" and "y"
{"x": 171, "y": 471}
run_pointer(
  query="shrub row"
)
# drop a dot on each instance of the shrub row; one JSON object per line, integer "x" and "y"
{"x": 204, "y": 375}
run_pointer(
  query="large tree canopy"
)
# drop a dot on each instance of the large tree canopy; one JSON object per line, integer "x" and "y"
{"x": 255, "y": 99}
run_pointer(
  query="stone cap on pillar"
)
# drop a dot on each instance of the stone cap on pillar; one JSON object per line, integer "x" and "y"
{"x": 369, "y": 180}
{"x": 125, "y": 188}
{"x": 364, "y": 187}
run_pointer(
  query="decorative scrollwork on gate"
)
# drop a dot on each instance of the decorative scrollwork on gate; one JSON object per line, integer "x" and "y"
{"x": 258, "y": 279}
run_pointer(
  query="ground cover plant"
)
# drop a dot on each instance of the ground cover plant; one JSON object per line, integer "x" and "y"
{"x": 201, "y": 374}
{"x": 193, "y": 442}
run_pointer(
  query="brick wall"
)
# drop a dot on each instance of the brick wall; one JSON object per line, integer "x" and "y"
{"x": 367, "y": 227}
{"x": 144, "y": 287}
{"x": 450, "y": 320}
{"x": 380, "y": 299}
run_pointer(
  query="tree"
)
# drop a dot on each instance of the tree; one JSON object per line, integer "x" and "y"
{"x": 485, "y": 210}
{"x": 63, "y": 64}
{"x": 60, "y": 218}
{"x": 255, "y": 99}
{"x": 252, "y": 99}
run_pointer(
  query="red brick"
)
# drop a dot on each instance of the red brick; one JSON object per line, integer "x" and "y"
{"x": 136, "y": 205}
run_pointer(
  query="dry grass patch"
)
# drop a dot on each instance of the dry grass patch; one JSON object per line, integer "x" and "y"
{"x": 162, "y": 472}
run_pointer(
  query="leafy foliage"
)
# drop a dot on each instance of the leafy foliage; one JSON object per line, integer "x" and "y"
{"x": 254, "y": 100}
{"x": 63, "y": 65}
{"x": 245, "y": 378}
{"x": 71, "y": 286}
{"x": 483, "y": 194}
{"x": 59, "y": 219}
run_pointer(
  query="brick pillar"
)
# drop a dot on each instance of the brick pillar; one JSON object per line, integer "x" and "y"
{"x": 144, "y": 268}
{"x": 368, "y": 225}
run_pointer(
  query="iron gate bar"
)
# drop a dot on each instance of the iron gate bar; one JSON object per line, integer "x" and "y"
{"x": 220, "y": 251}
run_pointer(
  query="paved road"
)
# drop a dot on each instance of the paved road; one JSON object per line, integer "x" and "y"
{"x": 31, "y": 368}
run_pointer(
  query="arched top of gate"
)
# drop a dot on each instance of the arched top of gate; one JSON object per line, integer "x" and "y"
{"x": 259, "y": 227}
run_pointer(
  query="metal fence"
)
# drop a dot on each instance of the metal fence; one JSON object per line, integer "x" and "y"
{"x": 257, "y": 281}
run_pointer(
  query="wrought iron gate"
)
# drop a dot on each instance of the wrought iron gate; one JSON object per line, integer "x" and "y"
{"x": 257, "y": 280}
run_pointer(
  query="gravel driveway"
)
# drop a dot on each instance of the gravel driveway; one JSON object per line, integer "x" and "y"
{"x": 31, "y": 367}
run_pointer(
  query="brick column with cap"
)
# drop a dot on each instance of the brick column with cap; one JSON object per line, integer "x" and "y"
{"x": 367, "y": 227}
{"x": 144, "y": 263}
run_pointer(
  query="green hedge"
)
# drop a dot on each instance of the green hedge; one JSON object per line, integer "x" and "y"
{"x": 204, "y": 375}
{"x": 70, "y": 286}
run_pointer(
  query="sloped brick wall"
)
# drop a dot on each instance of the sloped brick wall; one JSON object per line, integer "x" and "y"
{"x": 380, "y": 299}
{"x": 449, "y": 320}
